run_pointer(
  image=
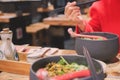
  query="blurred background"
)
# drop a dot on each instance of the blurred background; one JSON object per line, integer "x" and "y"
{"x": 24, "y": 18}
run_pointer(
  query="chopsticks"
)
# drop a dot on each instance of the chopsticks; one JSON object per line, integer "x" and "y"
{"x": 78, "y": 4}
{"x": 90, "y": 64}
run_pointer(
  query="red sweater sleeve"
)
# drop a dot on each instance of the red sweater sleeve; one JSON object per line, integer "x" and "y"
{"x": 88, "y": 28}
{"x": 94, "y": 23}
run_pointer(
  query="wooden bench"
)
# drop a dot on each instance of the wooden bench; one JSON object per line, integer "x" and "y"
{"x": 34, "y": 28}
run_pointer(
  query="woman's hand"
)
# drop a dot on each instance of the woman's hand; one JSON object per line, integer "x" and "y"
{"x": 73, "y": 13}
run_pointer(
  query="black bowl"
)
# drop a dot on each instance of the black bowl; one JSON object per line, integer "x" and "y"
{"x": 41, "y": 63}
{"x": 104, "y": 50}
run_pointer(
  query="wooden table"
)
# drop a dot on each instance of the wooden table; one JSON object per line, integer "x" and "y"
{"x": 61, "y": 20}
{"x": 5, "y": 17}
{"x": 34, "y": 28}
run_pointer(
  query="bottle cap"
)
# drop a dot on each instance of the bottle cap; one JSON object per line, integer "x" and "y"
{"x": 6, "y": 31}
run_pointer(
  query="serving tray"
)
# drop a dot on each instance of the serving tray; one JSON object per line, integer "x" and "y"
{"x": 17, "y": 67}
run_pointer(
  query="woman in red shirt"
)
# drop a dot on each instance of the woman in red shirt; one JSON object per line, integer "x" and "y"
{"x": 105, "y": 16}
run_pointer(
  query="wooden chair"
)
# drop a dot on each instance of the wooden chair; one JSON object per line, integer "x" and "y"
{"x": 34, "y": 28}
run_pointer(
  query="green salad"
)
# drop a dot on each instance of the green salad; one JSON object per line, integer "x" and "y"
{"x": 63, "y": 67}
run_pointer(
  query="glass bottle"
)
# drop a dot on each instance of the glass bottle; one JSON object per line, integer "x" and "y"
{"x": 7, "y": 47}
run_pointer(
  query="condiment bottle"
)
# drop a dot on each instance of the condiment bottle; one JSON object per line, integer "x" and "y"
{"x": 7, "y": 47}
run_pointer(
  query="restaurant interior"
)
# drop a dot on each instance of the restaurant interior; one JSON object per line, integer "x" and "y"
{"x": 40, "y": 25}
{"x": 33, "y": 12}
